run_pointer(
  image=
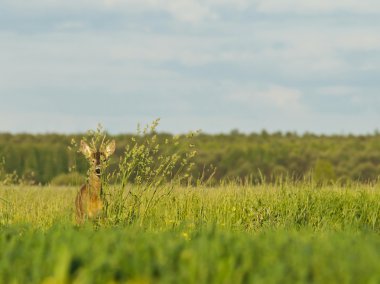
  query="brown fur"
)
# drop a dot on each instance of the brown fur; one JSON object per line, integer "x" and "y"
{"x": 88, "y": 202}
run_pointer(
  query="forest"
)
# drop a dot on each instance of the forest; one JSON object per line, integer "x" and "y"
{"x": 47, "y": 158}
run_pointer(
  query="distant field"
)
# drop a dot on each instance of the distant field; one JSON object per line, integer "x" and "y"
{"x": 231, "y": 234}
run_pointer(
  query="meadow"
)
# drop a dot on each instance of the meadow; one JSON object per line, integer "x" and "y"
{"x": 281, "y": 233}
{"x": 163, "y": 223}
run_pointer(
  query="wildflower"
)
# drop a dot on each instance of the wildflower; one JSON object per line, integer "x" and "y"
{"x": 186, "y": 236}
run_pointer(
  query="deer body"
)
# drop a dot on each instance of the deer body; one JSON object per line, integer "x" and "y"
{"x": 89, "y": 202}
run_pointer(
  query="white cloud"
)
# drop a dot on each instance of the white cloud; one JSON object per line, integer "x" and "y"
{"x": 70, "y": 26}
{"x": 184, "y": 51}
{"x": 316, "y": 50}
{"x": 192, "y": 11}
{"x": 318, "y": 6}
{"x": 275, "y": 97}
{"x": 366, "y": 95}
{"x": 189, "y": 11}
{"x": 338, "y": 91}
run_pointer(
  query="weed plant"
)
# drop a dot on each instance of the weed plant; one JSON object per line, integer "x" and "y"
{"x": 145, "y": 174}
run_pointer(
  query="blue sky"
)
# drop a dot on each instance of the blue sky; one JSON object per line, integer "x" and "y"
{"x": 215, "y": 65}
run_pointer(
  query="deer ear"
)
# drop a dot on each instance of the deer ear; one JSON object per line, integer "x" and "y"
{"x": 110, "y": 148}
{"x": 85, "y": 149}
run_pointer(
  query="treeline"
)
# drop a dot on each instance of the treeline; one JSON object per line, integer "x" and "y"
{"x": 41, "y": 158}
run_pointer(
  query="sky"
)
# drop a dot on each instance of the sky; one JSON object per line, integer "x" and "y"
{"x": 214, "y": 65}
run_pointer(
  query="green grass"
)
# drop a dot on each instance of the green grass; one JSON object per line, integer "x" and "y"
{"x": 290, "y": 233}
{"x": 65, "y": 254}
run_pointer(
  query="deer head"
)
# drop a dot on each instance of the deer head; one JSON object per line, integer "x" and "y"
{"x": 97, "y": 158}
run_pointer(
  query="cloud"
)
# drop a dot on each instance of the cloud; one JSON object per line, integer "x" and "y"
{"x": 338, "y": 91}
{"x": 273, "y": 97}
{"x": 355, "y": 97}
{"x": 319, "y": 6}
{"x": 188, "y": 11}
{"x": 184, "y": 10}
{"x": 210, "y": 63}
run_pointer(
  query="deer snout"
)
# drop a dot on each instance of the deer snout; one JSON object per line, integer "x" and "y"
{"x": 97, "y": 169}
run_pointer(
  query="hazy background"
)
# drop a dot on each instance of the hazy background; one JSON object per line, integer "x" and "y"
{"x": 217, "y": 65}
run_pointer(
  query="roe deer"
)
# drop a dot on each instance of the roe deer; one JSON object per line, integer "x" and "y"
{"x": 88, "y": 202}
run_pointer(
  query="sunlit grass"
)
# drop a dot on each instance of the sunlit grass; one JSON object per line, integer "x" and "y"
{"x": 293, "y": 233}
{"x": 251, "y": 208}
{"x": 161, "y": 224}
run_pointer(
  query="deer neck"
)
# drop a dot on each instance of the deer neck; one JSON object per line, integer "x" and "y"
{"x": 95, "y": 184}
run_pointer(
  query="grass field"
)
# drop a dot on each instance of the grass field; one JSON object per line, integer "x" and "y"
{"x": 289, "y": 233}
